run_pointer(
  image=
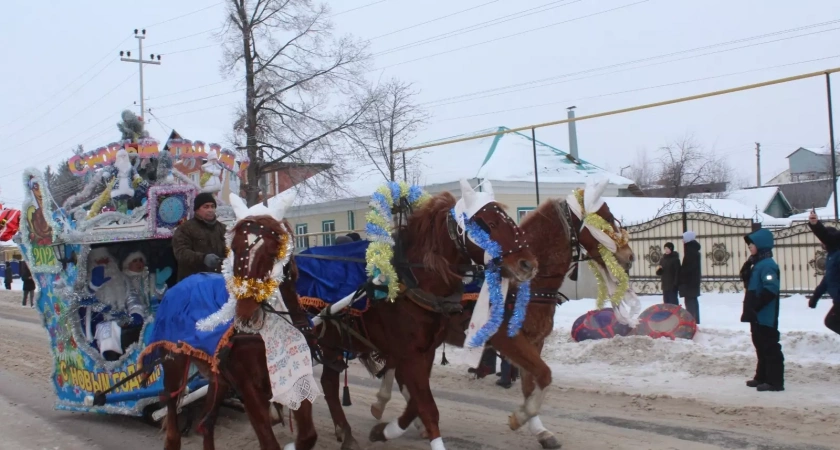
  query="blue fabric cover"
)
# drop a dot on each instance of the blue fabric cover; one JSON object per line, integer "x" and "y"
{"x": 331, "y": 281}
{"x": 183, "y": 305}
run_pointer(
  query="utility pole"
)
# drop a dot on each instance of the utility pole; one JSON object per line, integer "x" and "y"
{"x": 758, "y": 164}
{"x": 140, "y": 62}
{"x": 573, "y": 147}
{"x": 831, "y": 144}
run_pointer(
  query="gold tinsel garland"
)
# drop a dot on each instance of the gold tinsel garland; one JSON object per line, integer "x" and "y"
{"x": 103, "y": 198}
{"x": 260, "y": 290}
{"x": 621, "y": 239}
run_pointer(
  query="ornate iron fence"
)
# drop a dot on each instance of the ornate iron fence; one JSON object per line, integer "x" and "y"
{"x": 798, "y": 252}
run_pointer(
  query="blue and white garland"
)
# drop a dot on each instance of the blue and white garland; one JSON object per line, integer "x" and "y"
{"x": 493, "y": 278}
{"x": 379, "y": 229}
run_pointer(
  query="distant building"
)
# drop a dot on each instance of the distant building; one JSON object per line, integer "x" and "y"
{"x": 769, "y": 200}
{"x": 806, "y": 164}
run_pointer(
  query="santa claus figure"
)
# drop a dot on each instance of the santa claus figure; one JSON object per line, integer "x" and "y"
{"x": 118, "y": 301}
{"x": 211, "y": 174}
{"x": 127, "y": 183}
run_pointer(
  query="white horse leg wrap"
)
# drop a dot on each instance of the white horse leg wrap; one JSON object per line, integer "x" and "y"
{"x": 289, "y": 446}
{"x": 535, "y": 425}
{"x": 393, "y": 430}
{"x": 417, "y": 422}
{"x": 384, "y": 394}
{"x": 437, "y": 444}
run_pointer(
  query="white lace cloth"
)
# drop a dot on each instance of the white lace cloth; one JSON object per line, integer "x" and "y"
{"x": 289, "y": 363}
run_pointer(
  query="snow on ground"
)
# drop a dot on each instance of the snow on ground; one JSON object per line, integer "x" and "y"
{"x": 713, "y": 366}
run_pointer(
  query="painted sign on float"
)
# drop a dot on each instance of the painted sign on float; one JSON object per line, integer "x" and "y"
{"x": 181, "y": 149}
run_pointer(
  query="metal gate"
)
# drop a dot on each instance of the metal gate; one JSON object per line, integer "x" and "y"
{"x": 798, "y": 252}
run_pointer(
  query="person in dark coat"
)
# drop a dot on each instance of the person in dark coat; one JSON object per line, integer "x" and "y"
{"x": 761, "y": 310}
{"x": 7, "y": 276}
{"x": 690, "y": 274}
{"x": 199, "y": 243}
{"x": 830, "y": 284}
{"x": 669, "y": 272}
{"x": 28, "y": 284}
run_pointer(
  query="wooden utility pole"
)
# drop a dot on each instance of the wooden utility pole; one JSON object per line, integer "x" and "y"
{"x": 140, "y": 61}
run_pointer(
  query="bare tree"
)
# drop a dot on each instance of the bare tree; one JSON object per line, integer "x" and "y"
{"x": 685, "y": 164}
{"x": 298, "y": 83}
{"x": 390, "y": 123}
{"x": 643, "y": 169}
{"x": 61, "y": 182}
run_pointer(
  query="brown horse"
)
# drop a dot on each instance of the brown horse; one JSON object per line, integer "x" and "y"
{"x": 402, "y": 332}
{"x": 259, "y": 245}
{"x": 556, "y": 233}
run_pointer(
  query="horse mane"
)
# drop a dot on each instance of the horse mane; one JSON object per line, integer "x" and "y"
{"x": 426, "y": 237}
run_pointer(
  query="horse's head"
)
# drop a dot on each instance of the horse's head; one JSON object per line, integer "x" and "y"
{"x": 259, "y": 247}
{"x": 598, "y": 226}
{"x": 513, "y": 254}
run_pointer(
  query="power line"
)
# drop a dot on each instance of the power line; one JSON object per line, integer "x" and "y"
{"x": 197, "y": 99}
{"x": 650, "y": 58}
{"x": 512, "y": 35}
{"x": 482, "y": 25}
{"x": 358, "y": 8}
{"x": 52, "y": 97}
{"x": 200, "y": 110}
{"x": 676, "y": 83}
{"x": 73, "y": 116}
{"x": 187, "y": 90}
{"x": 432, "y": 20}
{"x": 614, "y": 112}
{"x": 29, "y": 157}
{"x": 184, "y": 15}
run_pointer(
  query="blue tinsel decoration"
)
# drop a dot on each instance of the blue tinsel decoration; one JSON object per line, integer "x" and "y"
{"x": 395, "y": 191}
{"x": 520, "y": 309}
{"x": 414, "y": 193}
{"x": 493, "y": 279}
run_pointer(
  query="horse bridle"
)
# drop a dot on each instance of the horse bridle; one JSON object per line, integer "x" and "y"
{"x": 455, "y": 234}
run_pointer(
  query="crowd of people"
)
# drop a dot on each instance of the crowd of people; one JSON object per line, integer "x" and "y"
{"x": 682, "y": 279}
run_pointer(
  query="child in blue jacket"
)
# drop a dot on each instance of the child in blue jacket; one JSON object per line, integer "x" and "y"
{"x": 830, "y": 284}
{"x": 761, "y": 311}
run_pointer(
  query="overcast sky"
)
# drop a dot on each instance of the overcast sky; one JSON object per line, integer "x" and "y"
{"x": 62, "y": 84}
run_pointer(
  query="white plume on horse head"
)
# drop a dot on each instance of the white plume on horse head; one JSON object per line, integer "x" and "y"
{"x": 593, "y": 192}
{"x": 276, "y": 208}
{"x": 472, "y": 201}
{"x": 278, "y": 204}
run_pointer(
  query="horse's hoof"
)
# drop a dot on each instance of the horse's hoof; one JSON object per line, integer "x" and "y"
{"x": 350, "y": 444}
{"x": 376, "y": 411}
{"x": 377, "y": 433}
{"x": 550, "y": 442}
{"x": 513, "y": 422}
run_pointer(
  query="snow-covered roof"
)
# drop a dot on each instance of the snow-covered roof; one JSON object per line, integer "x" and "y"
{"x": 759, "y": 198}
{"x": 814, "y": 150}
{"x": 507, "y": 157}
{"x": 826, "y": 213}
{"x": 634, "y": 210}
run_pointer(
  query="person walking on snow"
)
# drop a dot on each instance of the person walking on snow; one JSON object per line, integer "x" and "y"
{"x": 669, "y": 272}
{"x": 690, "y": 274}
{"x": 761, "y": 310}
{"x": 830, "y": 284}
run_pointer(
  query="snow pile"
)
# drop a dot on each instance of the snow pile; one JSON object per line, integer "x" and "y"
{"x": 712, "y": 366}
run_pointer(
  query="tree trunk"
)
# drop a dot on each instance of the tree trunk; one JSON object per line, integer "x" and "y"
{"x": 252, "y": 187}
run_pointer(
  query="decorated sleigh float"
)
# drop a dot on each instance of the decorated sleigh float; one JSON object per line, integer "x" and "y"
{"x": 103, "y": 260}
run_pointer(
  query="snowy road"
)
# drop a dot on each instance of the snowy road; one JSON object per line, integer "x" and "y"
{"x": 473, "y": 414}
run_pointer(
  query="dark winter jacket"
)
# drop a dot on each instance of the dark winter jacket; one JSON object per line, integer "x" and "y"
{"x": 26, "y": 276}
{"x": 192, "y": 241}
{"x": 690, "y": 272}
{"x": 669, "y": 271}
{"x": 761, "y": 299}
{"x": 830, "y": 283}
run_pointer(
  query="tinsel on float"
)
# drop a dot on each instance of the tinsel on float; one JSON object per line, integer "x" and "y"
{"x": 380, "y": 227}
